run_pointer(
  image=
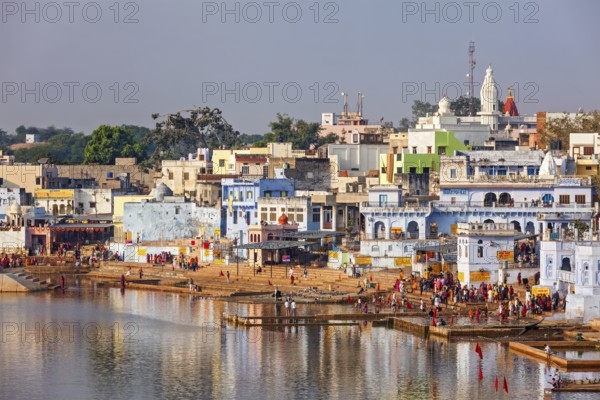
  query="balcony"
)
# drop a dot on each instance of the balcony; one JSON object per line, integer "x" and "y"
{"x": 566, "y": 276}
{"x": 539, "y": 207}
{"x": 375, "y": 206}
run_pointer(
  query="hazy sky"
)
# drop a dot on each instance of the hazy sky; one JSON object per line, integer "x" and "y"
{"x": 174, "y": 55}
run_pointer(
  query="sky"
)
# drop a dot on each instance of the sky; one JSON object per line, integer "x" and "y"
{"x": 81, "y": 64}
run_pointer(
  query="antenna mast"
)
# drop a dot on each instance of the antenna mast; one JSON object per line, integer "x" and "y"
{"x": 360, "y": 104}
{"x": 345, "y": 113}
{"x": 470, "y": 75}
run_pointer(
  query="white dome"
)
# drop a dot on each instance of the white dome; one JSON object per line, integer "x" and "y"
{"x": 444, "y": 106}
{"x": 548, "y": 167}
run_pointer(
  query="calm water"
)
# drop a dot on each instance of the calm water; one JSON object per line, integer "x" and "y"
{"x": 97, "y": 343}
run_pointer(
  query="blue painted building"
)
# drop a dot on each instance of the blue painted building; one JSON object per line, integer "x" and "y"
{"x": 240, "y": 202}
{"x": 528, "y": 192}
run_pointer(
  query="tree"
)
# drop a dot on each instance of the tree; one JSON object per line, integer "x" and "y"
{"x": 559, "y": 129}
{"x": 405, "y": 125}
{"x": 109, "y": 142}
{"x": 300, "y": 133}
{"x": 178, "y": 134}
{"x": 329, "y": 138}
{"x": 60, "y": 149}
{"x": 421, "y": 109}
{"x": 460, "y": 106}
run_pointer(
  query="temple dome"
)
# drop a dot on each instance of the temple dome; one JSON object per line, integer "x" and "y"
{"x": 444, "y": 106}
{"x": 548, "y": 167}
{"x": 161, "y": 191}
{"x": 283, "y": 219}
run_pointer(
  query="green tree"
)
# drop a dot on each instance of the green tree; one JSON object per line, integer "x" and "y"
{"x": 559, "y": 129}
{"x": 178, "y": 134}
{"x": 460, "y": 106}
{"x": 421, "y": 109}
{"x": 109, "y": 142}
{"x": 300, "y": 133}
{"x": 405, "y": 125}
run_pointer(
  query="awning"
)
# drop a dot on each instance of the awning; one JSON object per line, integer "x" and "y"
{"x": 271, "y": 245}
{"x": 437, "y": 248}
{"x": 309, "y": 234}
{"x": 80, "y": 227}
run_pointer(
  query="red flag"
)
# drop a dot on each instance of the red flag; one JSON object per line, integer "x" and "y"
{"x": 496, "y": 384}
{"x": 505, "y": 386}
{"x": 270, "y": 284}
{"x": 221, "y": 274}
{"x": 378, "y": 287}
{"x": 480, "y": 373}
{"x": 433, "y": 322}
{"x": 371, "y": 278}
{"x": 478, "y": 351}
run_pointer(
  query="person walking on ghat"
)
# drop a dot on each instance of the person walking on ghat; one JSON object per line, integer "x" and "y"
{"x": 287, "y": 306}
{"x": 141, "y": 271}
{"x": 228, "y": 277}
{"x": 293, "y": 308}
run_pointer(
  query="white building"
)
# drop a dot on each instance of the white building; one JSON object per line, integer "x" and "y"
{"x": 572, "y": 268}
{"x": 297, "y": 209}
{"x": 356, "y": 159}
{"x": 478, "y": 247}
{"x": 31, "y": 138}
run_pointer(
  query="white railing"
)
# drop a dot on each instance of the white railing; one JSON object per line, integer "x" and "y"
{"x": 566, "y": 276}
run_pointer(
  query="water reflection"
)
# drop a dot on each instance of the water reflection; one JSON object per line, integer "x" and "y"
{"x": 153, "y": 345}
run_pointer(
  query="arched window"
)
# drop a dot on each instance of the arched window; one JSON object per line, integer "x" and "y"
{"x": 480, "y": 248}
{"x": 459, "y": 251}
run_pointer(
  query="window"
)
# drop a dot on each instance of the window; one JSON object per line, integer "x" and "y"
{"x": 235, "y": 217}
{"x": 248, "y": 195}
{"x": 170, "y": 175}
{"x": 453, "y": 173}
{"x": 453, "y": 200}
{"x": 284, "y": 193}
{"x": 580, "y": 198}
{"x": 429, "y": 149}
{"x": 564, "y": 199}
{"x": 442, "y": 151}
{"x": 480, "y": 248}
{"x": 263, "y": 213}
{"x": 268, "y": 193}
{"x": 355, "y": 138}
{"x": 245, "y": 170}
{"x": 92, "y": 204}
{"x": 221, "y": 163}
{"x": 177, "y": 210}
{"x": 414, "y": 150}
{"x": 588, "y": 151}
{"x": 272, "y": 214}
{"x": 186, "y": 176}
{"x": 316, "y": 214}
{"x": 265, "y": 171}
{"x": 383, "y": 170}
{"x": 299, "y": 217}
{"x": 395, "y": 149}
{"x": 399, "y": 170}
{"x": 466, "y": 142}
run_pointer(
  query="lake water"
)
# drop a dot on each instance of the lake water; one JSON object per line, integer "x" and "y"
{"x": 98, "y": 343}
